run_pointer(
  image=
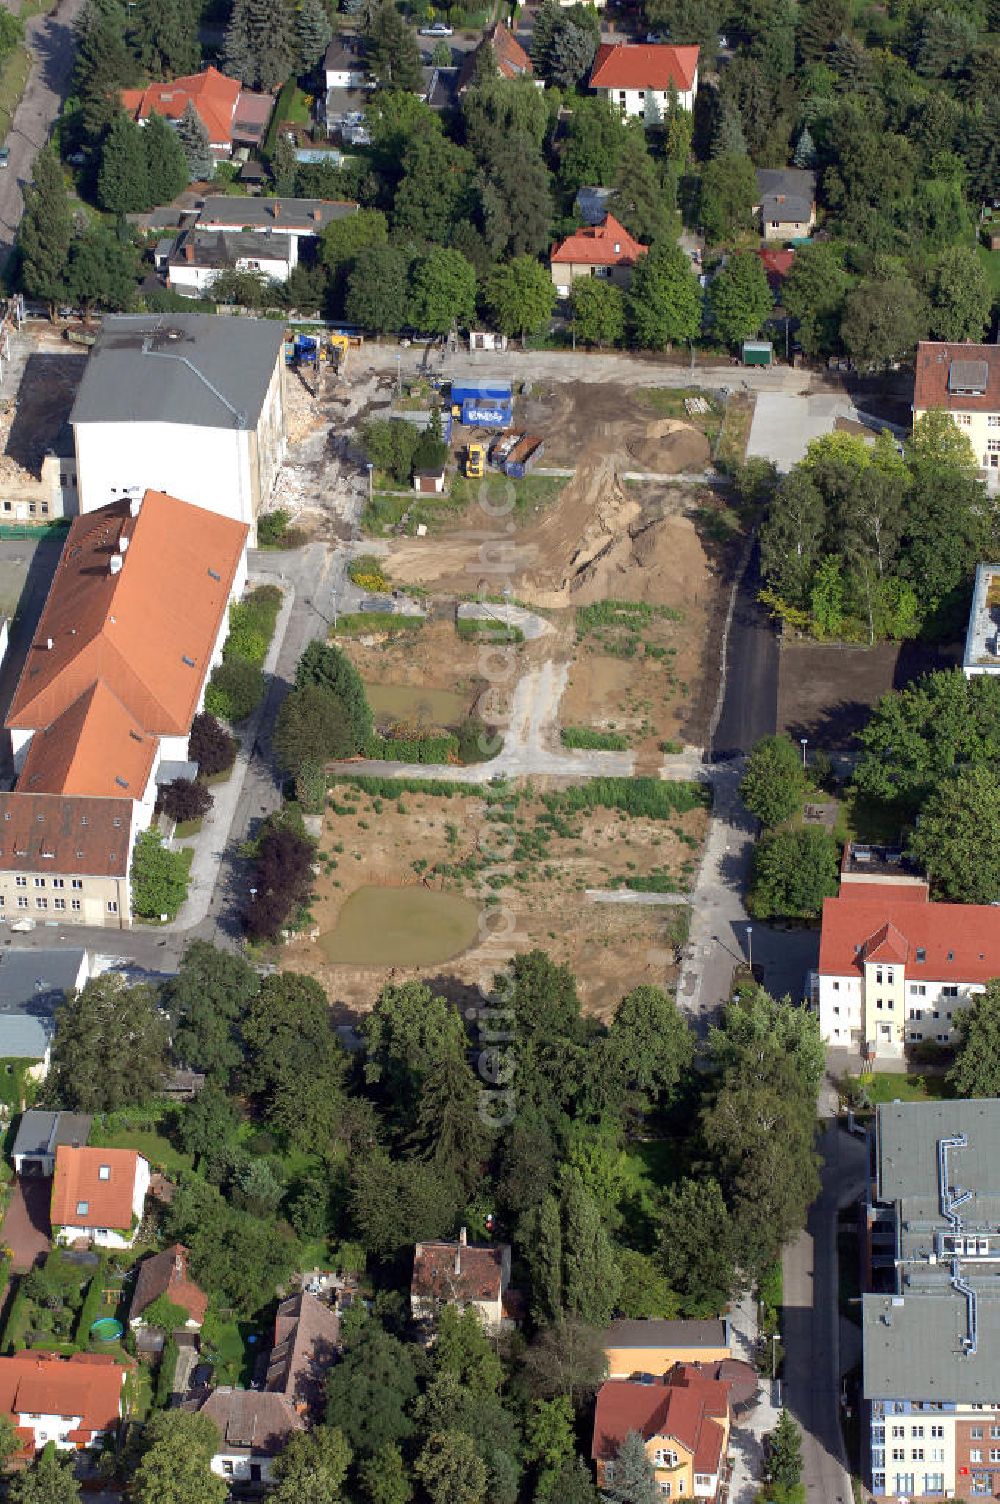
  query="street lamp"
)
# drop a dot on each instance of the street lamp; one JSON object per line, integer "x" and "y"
{"x": 370, "y": 468}
{"x": 750, "y": 947}
{"x": 774, "y": 1356}
{"x": 805, "y": 742}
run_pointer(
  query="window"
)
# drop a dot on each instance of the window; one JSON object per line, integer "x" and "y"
{"x": 609, "y": 1470}
{"x": 994, "y": 1433}
{"x": 899, "y": 1454}
{"x": 41, "y": 903}
{"x": 917, "y": 1014}
{"x": 897, "y": 1432}
{"x": 995, "y": 1454}
{"x": 921, "y": 953}
{"x": 976, "y": 1454}
{"x": 21, "y": 882}
{"x": 664, "y": 1457}
{"x": 937, "y": 1454}
{"x": 227, "y": 1468}
{"x": 939, "y": 1431}
{"x": 878, "y": 976}
{"x": 976, "y": 1432}
{"x": 74, "y": 904}
{"x": 917, "y": 1432}
{"x": 934, "y": 1483}
{"x": 58, "y": 882}
{"x": 104, "y": 1172}
{"x": 82, "y": 1208}
{"x": 918, "y": 1454}
{"x": 39, "y": 882}
{"x": 904, "y": 1483}
{"x": 964, "y": 420}
{"x": 993, "y": 446}
{"x": 836, "y": 986}
{"x": 949, "y": 991}
{"x": 918, "y": 989}
{"x": 57, "y": 903}
{"x": 76, "y": 882}
{"x": 665, "y": 1490}
{"x": 993, "y": 420}
{"x": 112, "y": 906}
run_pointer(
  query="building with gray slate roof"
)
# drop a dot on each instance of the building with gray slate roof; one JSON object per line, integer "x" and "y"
{"x": 787, "y": 203}
{"x": 32, "y": 985}
{"x": 40, "y": 1134}
{"x": 187, "y": 403}
{"x": 931, "y": 1328}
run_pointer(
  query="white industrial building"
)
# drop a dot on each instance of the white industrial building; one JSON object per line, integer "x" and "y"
{"x": 187, "y": 404}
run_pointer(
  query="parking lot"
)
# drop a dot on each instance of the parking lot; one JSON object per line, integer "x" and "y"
{"x": 785, "y": 425}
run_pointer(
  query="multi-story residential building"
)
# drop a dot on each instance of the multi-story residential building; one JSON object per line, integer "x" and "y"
{"x": 894, "y": 968}
{"x": 72, "y": 1403}
{"x": 637, "y": 78}
{"x": 964, "y": 381}
{"x": 233, "y": 116}
{"x": 684, "y": 1421}
{"x": 468, "y": 1275}
{"x": 982, "y": 637}
{"x": 606, "y": 250}
{"x": 185, "y": 404}
{"x": 655, "y": 1346}
{"x": 932, "y": 1326}
{"x": 98, "y": 1196}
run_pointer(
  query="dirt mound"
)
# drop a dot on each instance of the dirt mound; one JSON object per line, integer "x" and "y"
{"x": 670, "y": 447}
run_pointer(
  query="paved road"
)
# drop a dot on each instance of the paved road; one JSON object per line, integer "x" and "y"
{"x": 50, "y": 41}
{"x": 811, "y": 1322}
{"x": 26, "y": 1227}
{"x": 750, "y": 702}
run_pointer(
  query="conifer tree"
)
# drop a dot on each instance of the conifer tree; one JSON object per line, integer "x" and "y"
{"x": 194, "y": 142}
{"x": 123, "y": 179}
{"x": 166, "y": 164}
{"x": 312, "y": 35}
{"x": 45, "y": 231}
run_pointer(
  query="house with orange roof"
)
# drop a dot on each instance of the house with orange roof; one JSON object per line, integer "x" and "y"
{"x": 134, "y": 623}
{"x": 684, "y": 1422}
{"x": 606, "y": 250}
{"x": 895, "y": 968}
{"x": 98, "y": 1196}
{"x": 232, "y": 116}
{"x": 512, "y": 62}
{"x": 638, "y": 78}
{"x": 73, "y": 1402}
{"x": 471, "y": 1276}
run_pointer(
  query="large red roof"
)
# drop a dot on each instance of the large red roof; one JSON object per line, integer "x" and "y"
{"x": 960, "y": 942}
{"x": 213, "y": 95}
{"x": 606, "y": 244}
{"x": 679, "y": 1407}
{"x": 102, "y": 1181}
{"x": 933, "y": 368}
{"x": 626, "y": 65}
{"x": 85, "y": 1384}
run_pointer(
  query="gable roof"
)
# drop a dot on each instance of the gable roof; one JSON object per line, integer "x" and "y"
{"x": 938, "y": 373}
{"x": 213, "y": 95}
{"x": 166, "y": 1274}
{"x": 787, "y": 194}
{"x": 276, "y": 214}
{"x": 217, "y": 374}
{"x": 511, "y": 59}
{"x": 606, "y": 244}
{"x": 680, "y": 1407}
{"x": 959, "y": 942}
{"x": 129, "y": 650}
{"x": 253, "y": 1421}
{"x": 88, "y": 1385}
{"x": 306, "y": 1342}
{"x": 449, "y": 1271}
{"x": 78, "y": 1183}
{"x": 644, "y": 65}
{"x": 63, "y": 833}
{"x": 40, "y": 1132}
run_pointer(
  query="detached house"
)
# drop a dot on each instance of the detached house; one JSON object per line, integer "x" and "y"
{"x": 511, "y": 60}
{"x": 306, "y": 1344}
{"x": 73, "y": 1402}
{"x": 655, "y": 1346}
{"x": 98, "y": 1196}
{"x": 253, "y": 1428}
{"x": 894, "y": 968}
{"x": 606, "y": 250}
{"x": 637, "y": 78}
{"x": 167, "y": 1274}
{"x": 232, "y": 116}
{"x": 963, "y": 381}
{"x": 466, "y": 1275}
{"x": 787, "y": 202}
{"x": 684, "y": 1422}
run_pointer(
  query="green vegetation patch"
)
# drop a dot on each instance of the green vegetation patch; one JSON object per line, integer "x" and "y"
{"x": 643, "y": 798}
{"x": 621, "y": 627}
{"x": 358, "y": 623}
{"x": 591, "y": 740}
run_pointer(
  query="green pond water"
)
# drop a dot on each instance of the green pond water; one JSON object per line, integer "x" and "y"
{"x": 411, "y": 926}
{"x": 416, "y": 705}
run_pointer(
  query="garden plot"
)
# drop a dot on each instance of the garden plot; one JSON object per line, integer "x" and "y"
{"x": 523, "y": 859}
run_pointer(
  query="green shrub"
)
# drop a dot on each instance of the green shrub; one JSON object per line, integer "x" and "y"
{"x": 391, "y": 788}
{"x": 235, "y": 690}
{"x": 477, "y": 742}
{"x": 591, "y": 740}
{"x": 92, "y": 1304}
{"x": 479, "y": 629}
{"x": 409, "y": 746}
{"x": 646, "y": 798}
{"x": 363, "y": 622}
{"x": 251, "y": 625}
{"x": 165, "y": 1373}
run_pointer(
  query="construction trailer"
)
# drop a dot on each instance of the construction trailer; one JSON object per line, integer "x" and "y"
{"x": 302, "y": 350}
{"x": 758, "y": 352}
{"x": 483, "y": 404}
{"x": 524, "y": 456}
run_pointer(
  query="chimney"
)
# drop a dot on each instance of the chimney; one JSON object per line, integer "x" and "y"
{"x": 115, "y": 564}
{"x": 188, "y": 251}
{"x": 463, "y": 1237}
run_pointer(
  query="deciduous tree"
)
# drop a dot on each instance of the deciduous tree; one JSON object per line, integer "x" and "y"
{"x": 976, "y": 1071}
{"x": 175, "y": 1465}
{"x": 727, "y": 193}
{"x": 883, "y": 319}
{"x": 312, "y": 1467}
{"x": 957, "y": 839}
{"x": 159, "y": 877}
{"x": 740, "y": 298}
{"x": 185, "y": 799}
{"x": 793, "y": 871}
{"x": 210, "y": 745}
{"x": 696, "y": 1248}
{"x": 774, "y": 783}
{"x": 521, "y": 297}
{"x": 110, "y": 1046}
{"x": 664, "y": 301}
{"x": 207, "y": 1000}
{"x": 377, "y": 288}
{"x": 442, "y": 291}
{"x": 48, "y": 1479}
{"x": 598, "y": 311}
{"x": 370, "y": 1391}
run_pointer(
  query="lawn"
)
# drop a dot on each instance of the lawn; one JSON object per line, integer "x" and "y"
{"x": 887, "y": 1086}
{"x": 13, "y": 77}
{"x": 228, "y": 1344}
{"x": 990, "y": 262}
{"x": 160, "y": 1152}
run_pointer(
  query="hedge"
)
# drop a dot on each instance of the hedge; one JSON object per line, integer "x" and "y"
{"x": 93, "y": 1303}
{"x": 420, "y": 749}
{"x": 590, "y": 740}
{"x": 165, "y": 1373}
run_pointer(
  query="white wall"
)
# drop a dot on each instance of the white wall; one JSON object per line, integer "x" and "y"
{"x": 191, "y": 280}
{"x": 649, "y": 105}
{"x": 239, "y": 1466}
{"x": 841, "y": 1010}
{"x": 208, "y": 467}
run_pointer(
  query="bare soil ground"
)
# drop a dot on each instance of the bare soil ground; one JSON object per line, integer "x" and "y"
{"x": 826, "y": 693}
{"x": 575, "y": 416}
{"x": 503, "y": 856}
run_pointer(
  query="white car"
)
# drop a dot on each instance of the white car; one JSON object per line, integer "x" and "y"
{"x": 439, "y": 29}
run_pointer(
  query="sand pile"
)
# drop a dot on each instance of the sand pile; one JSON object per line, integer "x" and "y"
{"x": 670, "y": 447}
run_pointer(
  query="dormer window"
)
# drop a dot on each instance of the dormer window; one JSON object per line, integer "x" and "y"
{"x": 921, "y": 954}
{"x": 104, "y": 1172}
{"x": 82, "y": 1208}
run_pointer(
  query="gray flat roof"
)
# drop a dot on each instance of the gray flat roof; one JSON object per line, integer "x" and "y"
{"x": 907, "y": 1135}
{"x": 982, "y": 638}
{"x": 919, "y": 1354}
{"x": 42, "y": 1132}
{"x": 214, "y": 360}
{"x": 23, "y": 1037}
{"x": 34, "y": 981}
{"x": 658, "y": 1332}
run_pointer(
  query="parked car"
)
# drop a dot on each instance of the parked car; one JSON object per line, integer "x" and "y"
{"x": 4, "y": 156}
{"x": 439, "y": 29}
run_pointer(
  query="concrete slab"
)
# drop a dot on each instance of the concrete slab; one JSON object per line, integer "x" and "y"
{"x": 784, "y": 425}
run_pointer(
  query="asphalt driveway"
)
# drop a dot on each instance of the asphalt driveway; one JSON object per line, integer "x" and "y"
{"x": 27, "y": 1230}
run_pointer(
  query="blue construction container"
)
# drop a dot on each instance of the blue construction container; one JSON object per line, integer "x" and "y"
{"x": 481, "y": 391}
{"x": 479, "y": 412}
